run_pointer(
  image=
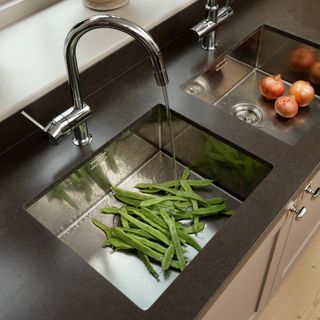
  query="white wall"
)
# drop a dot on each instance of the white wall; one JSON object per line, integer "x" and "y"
{"x": 31, "y": 50}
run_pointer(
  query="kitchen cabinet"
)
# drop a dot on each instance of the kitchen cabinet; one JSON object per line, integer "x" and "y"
{"x": 248, "y": 292}
{"x": 301, "y": 230}
{"x": 259, "y": 278}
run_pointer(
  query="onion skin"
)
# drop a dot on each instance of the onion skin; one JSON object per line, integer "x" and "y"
{"x": 314, "y": 73}
{"x": 272, "y": 87}
{"x": 303, "y": 92}
{"x": 301, "y": 59}
{"x": 286, "y": 106}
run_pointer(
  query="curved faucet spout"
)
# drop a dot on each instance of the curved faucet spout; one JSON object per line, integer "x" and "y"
{"x": 105, "y": 21}
{"x": 75, "y": 117}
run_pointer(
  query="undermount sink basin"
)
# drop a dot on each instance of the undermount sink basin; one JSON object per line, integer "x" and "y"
{"x": 232, "y": 83}
{"x": 142, "y": 153}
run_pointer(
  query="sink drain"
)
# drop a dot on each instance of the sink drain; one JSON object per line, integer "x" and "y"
{"x": 248, "y": 113}
{"x": 196, "y": 87}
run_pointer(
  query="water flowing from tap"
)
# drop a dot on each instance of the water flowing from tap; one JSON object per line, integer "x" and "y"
{"x": 169, "y": 121}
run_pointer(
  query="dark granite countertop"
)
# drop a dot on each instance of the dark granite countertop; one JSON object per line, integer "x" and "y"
{"x": 41, "y": 278}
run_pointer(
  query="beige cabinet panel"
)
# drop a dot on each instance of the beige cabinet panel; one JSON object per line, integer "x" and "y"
{"x": 245, "y": 294}
{"x": 300, "y": 231}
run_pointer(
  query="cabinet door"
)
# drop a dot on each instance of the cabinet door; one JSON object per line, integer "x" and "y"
{"x": 301, "y": 230}
{"x": 247, "y": 292}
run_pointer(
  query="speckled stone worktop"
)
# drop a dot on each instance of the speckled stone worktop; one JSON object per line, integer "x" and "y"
{"x": 41, "y": 278}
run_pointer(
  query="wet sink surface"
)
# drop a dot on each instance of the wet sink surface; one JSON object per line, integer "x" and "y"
{"x": 142, "y": 153}
{"x": 232, "y": 83}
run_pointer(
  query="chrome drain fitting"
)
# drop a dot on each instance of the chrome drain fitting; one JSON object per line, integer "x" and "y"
{"x": 248, "y": 113}
{"x": 196, "y": 87}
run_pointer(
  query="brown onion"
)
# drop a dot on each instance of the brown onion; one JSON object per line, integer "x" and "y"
{"x": 303, "y": 92}
{"x": 301, "y": 59}
{"x": 272, "y": 87}
{"x": 286, "y": 106}
{"x": 314, "y": 73}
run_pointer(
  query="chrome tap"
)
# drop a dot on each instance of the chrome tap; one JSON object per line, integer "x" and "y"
{"x": 75, "y": 117}
{"x": 206, "y": 29}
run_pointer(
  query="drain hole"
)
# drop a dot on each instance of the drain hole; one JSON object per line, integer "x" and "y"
{"x": 196, "y": 87}
{"x": 248, "y": 113}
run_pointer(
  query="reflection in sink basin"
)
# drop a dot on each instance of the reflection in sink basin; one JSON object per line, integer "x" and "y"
{"x": 235, "y": 78}
{"x": 142, "y": 154}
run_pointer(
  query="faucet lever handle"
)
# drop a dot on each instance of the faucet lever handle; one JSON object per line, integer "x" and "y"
{"x": 65, "y": 122}
{"x": 35, "y": 122}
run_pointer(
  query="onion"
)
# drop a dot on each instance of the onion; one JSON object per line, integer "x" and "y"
{"x": 303, "y": 92}
{"x": 301, "y": 59}
{"x": 272, "y": 87}
{"x": 314, "y": 73}
{"x": 286, "y": 106}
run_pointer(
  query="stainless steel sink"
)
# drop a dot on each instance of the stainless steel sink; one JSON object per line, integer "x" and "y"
{"x": 232, "y": 83}
{"x": 142, "y": 153}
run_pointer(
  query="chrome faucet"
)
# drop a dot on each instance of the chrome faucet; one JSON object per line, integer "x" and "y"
{"x": 75, "y": 117}
{"x": 206, "y": 29}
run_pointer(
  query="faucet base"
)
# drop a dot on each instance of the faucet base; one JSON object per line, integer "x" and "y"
{"x": 81, "y": 135}
{"x": 82, "y": 142}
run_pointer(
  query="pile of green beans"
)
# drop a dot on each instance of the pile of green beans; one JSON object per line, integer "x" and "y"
{"x": 150, "y": 220}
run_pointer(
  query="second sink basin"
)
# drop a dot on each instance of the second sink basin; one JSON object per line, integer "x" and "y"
{"x": 142, "y": 153}
{"x": 232, "y": 83}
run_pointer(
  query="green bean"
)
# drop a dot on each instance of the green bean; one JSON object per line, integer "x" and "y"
{"x": 200, "y": 183}
{"x": 185, "y": 173}
{"x": 150, "y": 202}
{"x": 108, "y": 210}
{"x": 191, "y": 195}
{"x": 157, "y": 219}
{"x": 147, "y": 190}
{"x": 162, "y": 228}
{"x": 168, "y": 184}
{"x": 149, "y": 220}
{"x": 203, "y": 212}
{"x": 150, "y": 224}
{"x": 102, "y": 227}
{"x": 153, "y": 245}
{"x": 117, "y": 244}
{"x": 175, "y": 239}
{"x": 175, "y": 183}
{"x": 131, "y": 194}
{"x": 139, "y": 232}
{"x": 166, "y": 204}
{"x": 196, "y": 220}
{"x": 186, "y": 194}
{"x": 142, "y": 248}
{"x": 162, "y": 205}
{"x": 154, "y": 217}
{"x": 127, "y": 200}
{"x": 167, "y": 258}
{"x": 148, "y": 265}
{"x": 156, "y": 233}
{"x": 183, "y": 204}
{"x": 124, "y": 222}
{"x": 193, "y": 229}
{"x": 216, "y": 200}
{"x": 195, "y": 206}
{"x": 156, "y": 246}
{"x": 111, "y": 241}
{"x": 172, "y": 211}
{"x": 182, "y": 216}
{"x": 191, "y": 241}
